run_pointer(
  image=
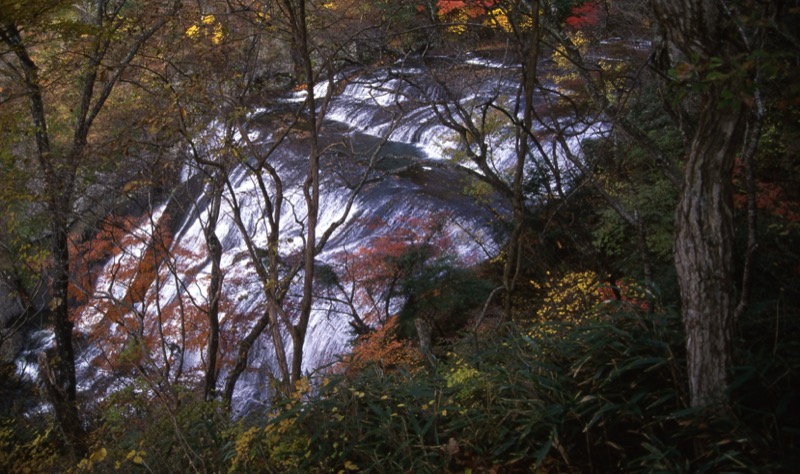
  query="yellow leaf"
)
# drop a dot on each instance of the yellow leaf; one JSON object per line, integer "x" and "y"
{"x": 98, "y": 455}
{"x": 192, "y": 31}
{"x": 350, "y": 466}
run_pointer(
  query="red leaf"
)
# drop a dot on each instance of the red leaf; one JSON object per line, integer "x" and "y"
{"x": 584, "y": 15}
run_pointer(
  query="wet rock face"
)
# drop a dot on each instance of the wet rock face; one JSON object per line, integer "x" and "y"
{"x": 11, "y": 343}
{"x": 10, "y": 311}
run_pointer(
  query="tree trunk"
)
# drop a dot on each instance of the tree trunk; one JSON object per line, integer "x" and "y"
{"x": 702, "y": 30}
{"x": 58, "y": 184}
{"x": 241, "y": 358}
{"x": 215, "y": 286}
{"x": 529, "y": 49}
{"x": 298, "y": 19}
{"x": 704, "y": 251}
{"x": 65, "y": 402}
{"x": 61, "y": 169}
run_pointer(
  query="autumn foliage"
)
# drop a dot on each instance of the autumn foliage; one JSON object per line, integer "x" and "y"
{"x": 128, "y": 299}
{"x": 374, "y": 272}
{"x": 582, "y": 295}
{"x": 772, "y": 198}
{"x": 581, "y": 14}
{"x": 88, "y": 257}
{"x": 384, "y": 349}
{"x": 586, "y": 14}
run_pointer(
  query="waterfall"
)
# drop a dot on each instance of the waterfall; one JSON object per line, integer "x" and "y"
{"x": 400, "y": 107}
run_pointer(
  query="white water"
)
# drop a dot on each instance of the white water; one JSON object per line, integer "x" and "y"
{"x": 368, "y": 108}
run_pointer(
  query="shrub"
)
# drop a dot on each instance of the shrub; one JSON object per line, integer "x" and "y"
{"x": 173, "y": 430}
{"x": 603, "y": 396}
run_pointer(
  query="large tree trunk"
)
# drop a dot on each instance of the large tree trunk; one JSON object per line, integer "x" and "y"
{"x": 702, "y": 30}
{"x": 704, "y": 252}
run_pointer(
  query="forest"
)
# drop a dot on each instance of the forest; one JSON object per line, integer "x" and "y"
{"x": 474, "y": 236}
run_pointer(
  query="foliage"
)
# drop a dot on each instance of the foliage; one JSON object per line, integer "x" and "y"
{"x": 460, "y": 16}
{"x": 442, "y": 294}
{"x": 629, "y": 176}
{"x": 142, "y": 431}
{"x": 23, "y": 450}
{"x": 384, "y": 349}
{"x": 583, "y": 15}
{"x": 410, "y": 266}
{"x": 605, "y": 396}
{"x": 569, "y": 298}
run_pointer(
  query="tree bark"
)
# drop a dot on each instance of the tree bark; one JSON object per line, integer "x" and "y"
{"x": 704, "y": 252}
{"x": 215, "y": 286}
{"x": 701, "y": 30}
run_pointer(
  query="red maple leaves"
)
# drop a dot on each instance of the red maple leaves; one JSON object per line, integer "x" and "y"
{"x": 583, "y": 15}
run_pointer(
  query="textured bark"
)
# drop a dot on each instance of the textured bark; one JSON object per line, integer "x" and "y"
{"x": 214, "y": 287}
{"x": 701, "y": 29}
{"x": 704, "y": 253}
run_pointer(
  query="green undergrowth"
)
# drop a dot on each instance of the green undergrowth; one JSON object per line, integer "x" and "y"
{"x": 601, "y": 395}
{"x": 604, "y": 396}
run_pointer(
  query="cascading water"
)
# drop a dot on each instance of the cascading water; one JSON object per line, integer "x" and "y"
{"x": 399, "y": 108}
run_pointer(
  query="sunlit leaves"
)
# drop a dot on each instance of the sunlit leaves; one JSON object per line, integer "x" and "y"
{"x": 580, "y": 297}
{"x": 208, "y": 27}
{"x": 571, "y": 297}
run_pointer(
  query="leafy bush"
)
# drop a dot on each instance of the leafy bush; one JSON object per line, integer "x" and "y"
{"x": 27, "y": 451}
{"x": 169, "y": 431}
{"x": 605, "y": 395}
{"x": 602, "y": 396}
